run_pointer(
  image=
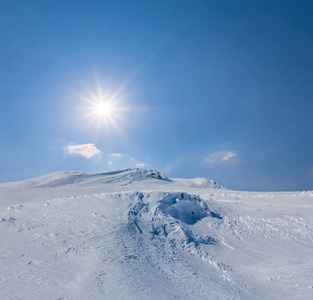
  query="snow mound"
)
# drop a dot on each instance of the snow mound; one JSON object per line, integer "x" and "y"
{"x": 170, "y": 217}
{"x": 62, "y": 178}
{"x": 186, "y": 208}
{"x": 307, "y": 193}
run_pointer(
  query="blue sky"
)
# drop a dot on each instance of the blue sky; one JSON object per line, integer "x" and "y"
{"x": 216, "y": 89}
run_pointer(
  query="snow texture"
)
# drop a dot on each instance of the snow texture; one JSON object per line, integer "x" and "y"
{"x": 135, "y": 234}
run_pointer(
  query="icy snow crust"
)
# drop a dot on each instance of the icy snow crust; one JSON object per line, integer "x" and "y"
{"x": 135, "y": 234}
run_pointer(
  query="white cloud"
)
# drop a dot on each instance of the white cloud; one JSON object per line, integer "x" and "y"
{"x": 85, "y": 150}
{"x": 110, "y": 162}
{"x": 220, "y": 156}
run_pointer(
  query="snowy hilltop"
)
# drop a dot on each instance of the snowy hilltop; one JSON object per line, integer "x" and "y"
{"x": 136, "y": 234}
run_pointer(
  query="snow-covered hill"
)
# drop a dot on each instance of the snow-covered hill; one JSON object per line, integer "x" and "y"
{"x": 135, "y": 234}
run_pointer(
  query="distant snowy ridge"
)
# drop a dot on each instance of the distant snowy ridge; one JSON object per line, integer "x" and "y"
{"x": 62, "y": 178}
{"x": 120, "y": 177}
{"x": 199, "y": 183}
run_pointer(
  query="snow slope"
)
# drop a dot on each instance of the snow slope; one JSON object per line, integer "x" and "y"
{"x": 135, "y": 234}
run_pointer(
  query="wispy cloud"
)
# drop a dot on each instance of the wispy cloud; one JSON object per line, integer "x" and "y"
{"x": 113, "y": 158}
{"x": 228, "y": 155}
{"x": 85, "y": 150}
{"x": 220, "y": 157}
{"x": 135, "y": 162}
{"x": 123, "y": 160}
{"x": 168, "y": 168}
{"x": 116, "y": 155}
{"x": 140, "y": 165}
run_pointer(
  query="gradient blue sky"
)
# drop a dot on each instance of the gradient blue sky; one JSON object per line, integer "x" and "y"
{"x": 216, "y": 89}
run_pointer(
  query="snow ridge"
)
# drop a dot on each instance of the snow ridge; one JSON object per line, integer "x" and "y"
{"x": 63, "y": 178}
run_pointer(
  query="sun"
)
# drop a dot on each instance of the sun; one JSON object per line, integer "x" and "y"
{"x": 103, "y": 109}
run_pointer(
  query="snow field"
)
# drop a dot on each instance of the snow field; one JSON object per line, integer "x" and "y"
{"x": 135, "y": 234}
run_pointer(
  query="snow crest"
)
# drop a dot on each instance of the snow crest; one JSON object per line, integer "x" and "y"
{"x": 63, "y": 178}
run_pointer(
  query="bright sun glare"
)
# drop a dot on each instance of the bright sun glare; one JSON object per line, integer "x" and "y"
{"x": 103, "y": 109}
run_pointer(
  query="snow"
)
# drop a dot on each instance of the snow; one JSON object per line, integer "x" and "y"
{"x": 135, "y": 234}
